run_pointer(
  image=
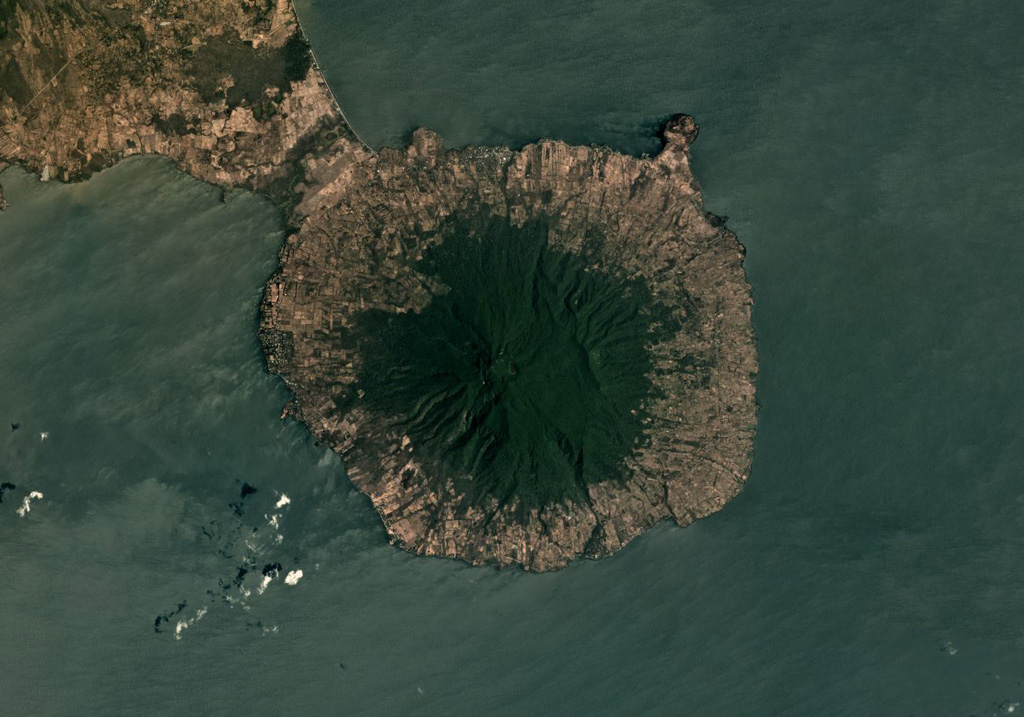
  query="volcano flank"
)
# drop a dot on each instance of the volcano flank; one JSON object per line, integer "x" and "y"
{"x": 526, "y": 378}
{"x": 521, "y": 356}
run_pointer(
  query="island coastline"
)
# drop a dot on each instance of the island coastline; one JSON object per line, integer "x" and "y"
{"x": 293, "y": 144}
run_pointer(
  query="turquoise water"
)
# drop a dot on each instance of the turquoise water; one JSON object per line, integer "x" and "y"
{"x": 869, "y": 158}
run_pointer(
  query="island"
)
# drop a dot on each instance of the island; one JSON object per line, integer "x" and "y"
{"x": 523, "y": 356}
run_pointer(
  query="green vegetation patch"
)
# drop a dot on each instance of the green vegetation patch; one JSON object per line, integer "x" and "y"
{"x": 124, "y": 55}
{"x": 526, "y": 379}
{"x": 174, "y": 123}
{"x": 13, "y": 83}
{"x": 253, "y": 70}
{"x": 7, "y": 16}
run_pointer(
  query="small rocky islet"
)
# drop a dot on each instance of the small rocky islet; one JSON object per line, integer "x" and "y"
{"x": 523, "y": 356}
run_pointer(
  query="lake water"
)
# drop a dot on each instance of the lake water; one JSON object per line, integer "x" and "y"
{"x": 869, "y": 158}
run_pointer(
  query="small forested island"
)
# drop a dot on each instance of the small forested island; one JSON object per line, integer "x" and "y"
{"x": 523, "y": 356}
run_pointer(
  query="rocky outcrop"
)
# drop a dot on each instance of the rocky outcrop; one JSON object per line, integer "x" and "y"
{"x": 365, "y": 232}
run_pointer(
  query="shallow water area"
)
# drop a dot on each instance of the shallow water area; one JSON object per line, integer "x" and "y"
{"x": 868, "y": 159}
